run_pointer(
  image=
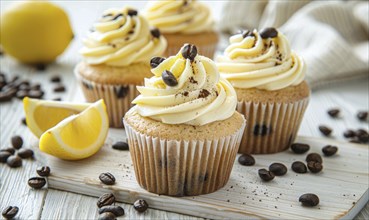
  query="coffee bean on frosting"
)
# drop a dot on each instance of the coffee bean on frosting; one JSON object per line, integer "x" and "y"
{"x": 269, "y": 32}
{"x": 132, "y": 12}
{"x": 247, "y": 33}
{"x": 189, "y": 51}
{"x": 155, "y": 32}
{"x": 155, "y": 61}
{"x": 169, "y": 78}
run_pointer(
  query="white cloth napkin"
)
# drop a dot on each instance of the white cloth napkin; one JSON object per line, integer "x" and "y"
{"x": 331, "y": 36}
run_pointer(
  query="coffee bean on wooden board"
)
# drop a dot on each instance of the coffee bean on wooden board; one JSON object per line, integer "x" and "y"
{"x": 169, "y": 78}
{"x": 25, "y": 153}
{"x": 246, "y": 160}
{"x": 120, "y": 145}
{"x": 116, "y": 210}
{"x": 265, "y": 174}
{"x": 362, "y": 115}
{"x": 21, "y": 94}
{"x": 189, "y": 51}
{"x": 155, "y": 61}
{"x": 10, "y": 212}
{"x": 355, "y": 140}
{"x": 334, "y": 112}
{"x": 59, "y": 88}
{"x": 41, "y": 67}
{"x": 4, "y": 156}
{"x": 325, "y": 130}
{"x": 349, "y": 133}
{"x": 309, "y": 199}
{"x": 9, "y": 149}
{"x": 55, "y": 79}
{"x": 105, "y": 200}
{"x": 269, "y": 32}
{"x": 140, "y": 205}
{"x": 43, "y": 171}
{"x": 314, "y": 167}
{"x": 36, "y": 86}
{"x": 278, "y": 169}
{"x": 300, "y": 148}
{"x": 24, "y": 122}
{"x": 314, "y": 157}
{"x": 362, "y": 135}
{"x": 107, "y": 216}
{"x": 36, "y": 94}
{"x": 299, "y": 167}
{"x": 107, "y": 178}
{"x": 14, "y": 161}
{"x": 36, "y": 182}
{"x": 5, "y": 97}
{"x": 17, "y": 141}
{"x": 329, "y": 150}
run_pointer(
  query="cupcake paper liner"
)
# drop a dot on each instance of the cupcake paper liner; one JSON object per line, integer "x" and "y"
{"x": 204, "y": 50}
{"x": 117, "y": 98}
{"x": 182, "y": 168}
{"x": 271, "y": 127}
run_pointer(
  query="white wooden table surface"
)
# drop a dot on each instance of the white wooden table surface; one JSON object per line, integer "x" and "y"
{"x": 55, "y": 204}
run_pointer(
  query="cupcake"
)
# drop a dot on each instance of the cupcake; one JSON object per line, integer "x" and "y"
{"x": 116, "y": 57}
{"x": 269, "y": 81}
{"x": 184, "y": 22}
{"x": 184, "y": 131}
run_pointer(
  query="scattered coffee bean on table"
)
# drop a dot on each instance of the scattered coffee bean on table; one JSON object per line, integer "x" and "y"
{"x": 278, "y": 169}
{"x": 334, "y": 112}
{"x": 120, "y": 145}
{"x": 4, "y": 156}
{"x": 43, "y": 171}
{"x": 299, "y": 167}
{"x": 325, "y": 130}
{"x": 362, "y": 115}
{"x": 329, "y": 150}
{"x": 55, "y": 79}
{"x": 309, "y": 199}
{"x": 40, "y": 67}
{"x": 17, "y": 142}
{"x": 349, "y": 133}
{"x": 300, "y": 148}
{"x": 107, "y": 178}
{"x": 25, "y": 153}
{"x": 57, "y": 99}
{"x": 314, "y": 167}
{"x": 10, "y": 212}
{"x": 14, "y": 161}
{"x": 24, "y": 122}
{"x": 36, "y": 182}
{"x": 140, "y": 205}
{"x": 9, "y": 149}
{"x": 363, "y": 137}
{"x": 314, "y": 157}
{"x": 355, "y": 140}
{"x": 105, "y": 200}
{"x": 59, "y": 88}
{"x": 265, "y": 175}
{"x": 116, "y": 210}
{"x": 246, "y": 160}
{"x": 107, "y": 216}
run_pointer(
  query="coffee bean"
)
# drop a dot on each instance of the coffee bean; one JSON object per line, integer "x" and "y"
{"x": 329, "y": 150}
{"x": 105, "y": 200}
{"x": 155, "y": 61}
{"x": 120, "y": 145}
{"x": 9, "y": 149}
{"x": 140, "y": 205}
{"x": 325, "y": 130}
{"x": 155, "y": 32}
{"x": 10, "y": 212}
{"x": 25, "y": 153}
{"x": 363, "y": 138}
{"x": 17, "y": 142}
{"x": 246, "y": 160}
{"x": 24, "y": 87}
{"x": 309, "y": 199}
{"x": 40, "y": 67}
{"x": 107, "y": 178}
{"x": 132, "y": 12}
{"x": 107, "y": 216}
{"x": 36, "y": 94}
{"x": 362, "y": 115}
{"x": 189, "y": 51}
{"x": 5, "y": 97}
{"x": 265, "y": 175}
{"x": 360, "y": 132}
{"x": 333, "y": 112}
{"x": 314, "y": 157}
{"x": 278, "y": 169}
{"x": 14, "y": 161}
{"x": 21, "y": 94}
{"x": 36, "y": 86}
{"x": 247, "y": 33}
{"x": 169, "y": 78}
{"x": 55, "y": 79}
{"x": 36, "y": 182}
{"x": 116, "y": 210}
{"x": 268, "y": 32}
{"x": 299, "y": 167}
{"x": 300, "y": 148}
{"x": 349, "y": 133}
{"x": 59, "y": 88}
{"x": 314, "y": 167}
{"x": 43, "y": 171}
{"x": 57, "y": 99}
{"x": 4, "y": 156}
{"x": 24, "y": 122}
{"x": 355, "y": 140}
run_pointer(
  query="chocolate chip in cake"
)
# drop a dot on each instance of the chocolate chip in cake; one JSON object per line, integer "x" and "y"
{"x": 189, "y": 51}
{"x": 362, "y": 115}
{"x": 309, "y": 199}
{"x": 300, "y": 148}
{"x": 155, "y": 61}
{"x": 329, "y": 150}
{"x": 246, "y": 160}
{"x": 265, "y": 175}
{"x": 333, "y": 112}
{"x": 203, "y": 94}
{"x": 269, "y": 32}
{"x": 299, "y": 167}
{"x": 278, "y": 169}
{"x": 325, "y": 130}
{"x": 314, "y": 157}
{"x": 169, "y": 78}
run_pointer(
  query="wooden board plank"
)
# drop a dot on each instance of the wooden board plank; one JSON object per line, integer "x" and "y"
{"x": 344, "y": 179}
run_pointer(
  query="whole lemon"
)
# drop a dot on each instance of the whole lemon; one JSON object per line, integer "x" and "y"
{"x": 35, "y": 31}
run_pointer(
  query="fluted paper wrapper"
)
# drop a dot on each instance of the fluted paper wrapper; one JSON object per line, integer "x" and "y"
{"x": 271, "y": 127}
{"x": 118, "y": 98}
{"x": 182, "y": 168}
{"x": 204, "y": 50}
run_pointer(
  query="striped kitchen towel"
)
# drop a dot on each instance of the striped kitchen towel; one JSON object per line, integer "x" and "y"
{"x": 332, "y": 36}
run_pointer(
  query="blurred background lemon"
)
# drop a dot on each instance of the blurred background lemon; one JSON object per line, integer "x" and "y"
{"x": 35, "y": 32}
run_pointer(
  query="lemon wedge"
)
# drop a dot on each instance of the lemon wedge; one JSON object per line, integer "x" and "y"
{"x": 42, "y": 115}
{"x": 78, "y": 136}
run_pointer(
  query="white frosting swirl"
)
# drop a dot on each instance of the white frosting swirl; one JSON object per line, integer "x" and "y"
{"x": 199, "y": 98}
{"x": 254, "y": 62}
{"x": 119, "y": 39}
{"x": 184, "y": 16}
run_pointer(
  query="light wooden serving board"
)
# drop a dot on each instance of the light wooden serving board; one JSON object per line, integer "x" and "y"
{"x": 342, "y": 186}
